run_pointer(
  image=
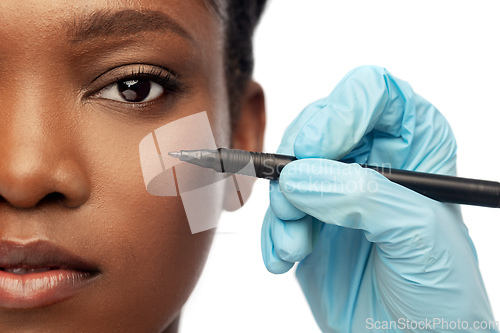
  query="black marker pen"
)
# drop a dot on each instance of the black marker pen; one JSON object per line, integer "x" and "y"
{"x": 438, "y": 187}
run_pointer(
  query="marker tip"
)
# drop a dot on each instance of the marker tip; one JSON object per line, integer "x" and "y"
{"x": 175, "y": 154}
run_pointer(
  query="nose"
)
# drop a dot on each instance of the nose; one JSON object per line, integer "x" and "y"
{"x": 39, "y": 163}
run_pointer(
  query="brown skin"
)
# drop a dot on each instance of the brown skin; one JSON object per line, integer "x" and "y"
{"x": 58, "y": 136}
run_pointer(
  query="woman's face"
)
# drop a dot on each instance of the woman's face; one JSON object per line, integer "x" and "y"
{"x": 82, "y": 82}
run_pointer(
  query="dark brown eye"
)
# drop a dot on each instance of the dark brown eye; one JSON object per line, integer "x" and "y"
{"x": 132, "y": 91}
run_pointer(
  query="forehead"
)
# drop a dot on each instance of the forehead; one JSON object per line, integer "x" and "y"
{"x": 31, "y": 20}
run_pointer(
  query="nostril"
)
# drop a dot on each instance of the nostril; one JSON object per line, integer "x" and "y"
{"x": 54, "y": 197}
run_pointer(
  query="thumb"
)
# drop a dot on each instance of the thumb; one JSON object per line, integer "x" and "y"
{"x": 403, "y": 223}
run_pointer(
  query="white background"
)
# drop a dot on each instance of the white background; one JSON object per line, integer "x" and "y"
{"x": 448, "y": 51}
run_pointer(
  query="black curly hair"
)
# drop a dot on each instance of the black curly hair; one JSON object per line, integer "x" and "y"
{"x": 240, "y": 19}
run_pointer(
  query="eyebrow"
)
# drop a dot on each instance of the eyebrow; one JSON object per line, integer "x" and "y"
{"x": 122, "y": 23}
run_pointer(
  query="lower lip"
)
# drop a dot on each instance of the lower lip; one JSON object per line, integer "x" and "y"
{"x": 39, "y": 289}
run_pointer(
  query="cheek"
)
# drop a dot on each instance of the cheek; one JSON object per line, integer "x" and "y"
{"x": 150, "y": 259}
{"x": 153, "y": 261}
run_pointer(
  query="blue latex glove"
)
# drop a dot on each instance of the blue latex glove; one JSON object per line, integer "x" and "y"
{"x": 372, "y": 251}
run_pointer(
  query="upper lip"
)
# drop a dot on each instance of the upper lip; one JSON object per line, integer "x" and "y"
{"x": 39, "y": 254}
